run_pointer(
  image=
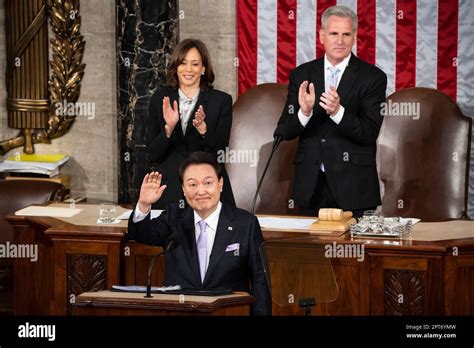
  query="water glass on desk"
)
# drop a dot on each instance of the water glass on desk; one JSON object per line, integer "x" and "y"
{"x": 107, "y": 213}
{"x": 372, "y": 217}
{"x": 372, "y": 220}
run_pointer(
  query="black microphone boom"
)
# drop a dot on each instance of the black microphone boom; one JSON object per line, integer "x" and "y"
{"x": 276, "y": 142}
{"x": 171, "y": 245}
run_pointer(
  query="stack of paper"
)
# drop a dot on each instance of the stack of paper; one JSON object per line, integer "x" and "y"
{"x": 48, "y": 211}
{"x": 285, "y": 223}
{"x": 47, "y": 165}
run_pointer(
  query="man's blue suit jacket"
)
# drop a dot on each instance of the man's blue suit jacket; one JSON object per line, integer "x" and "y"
{"x": 239, "y": 271}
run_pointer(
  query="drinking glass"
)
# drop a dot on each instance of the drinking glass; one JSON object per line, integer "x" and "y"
{"x": 107, "y": 213}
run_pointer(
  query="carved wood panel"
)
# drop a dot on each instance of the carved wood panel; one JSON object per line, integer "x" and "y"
{"x": 404, "y": 292}
{"x": 85, "y": 273}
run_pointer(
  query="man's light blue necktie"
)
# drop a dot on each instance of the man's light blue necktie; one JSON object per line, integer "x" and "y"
{"x": 202, "y": 248}
{"x": 332, "y": 77}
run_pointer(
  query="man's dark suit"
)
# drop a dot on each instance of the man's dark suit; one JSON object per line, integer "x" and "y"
{"x": 168, "y": 153}
{"x": 348, "y": 149}
{"x": 241, "y": 271}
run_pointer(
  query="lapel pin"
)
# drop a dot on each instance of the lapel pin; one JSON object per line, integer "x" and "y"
{"x": 229, "y": 228}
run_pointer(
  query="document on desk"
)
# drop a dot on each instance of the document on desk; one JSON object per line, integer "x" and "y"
{"x": 48, "y": 211}
{"x": 126, "y": 215}
{"x": 139, "y": 288}
{"x": 285, "y": 223}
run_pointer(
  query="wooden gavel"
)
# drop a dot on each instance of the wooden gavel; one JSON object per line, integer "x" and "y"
{"x": 333, "y": 214}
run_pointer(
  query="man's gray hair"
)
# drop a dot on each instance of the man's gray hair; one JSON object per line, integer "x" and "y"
{"x": 339, "y": 11}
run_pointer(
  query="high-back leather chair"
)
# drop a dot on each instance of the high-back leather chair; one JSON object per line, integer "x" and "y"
{"x": 15, "y": 195}
{"x": 423, "y": 163}
{"x": 255, "y": 117}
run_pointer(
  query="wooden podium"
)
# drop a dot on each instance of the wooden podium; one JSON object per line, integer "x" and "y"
{"x": 106, "y": 303}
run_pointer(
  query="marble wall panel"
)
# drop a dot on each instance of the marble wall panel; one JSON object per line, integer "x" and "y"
{"x": 147, "y": 31}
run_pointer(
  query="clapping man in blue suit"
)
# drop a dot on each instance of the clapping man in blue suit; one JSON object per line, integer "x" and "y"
{"x": 334, "y": 109}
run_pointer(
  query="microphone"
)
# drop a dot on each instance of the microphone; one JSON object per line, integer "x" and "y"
{"x": 172, "y": 244}
{"x": 276, "y": 141}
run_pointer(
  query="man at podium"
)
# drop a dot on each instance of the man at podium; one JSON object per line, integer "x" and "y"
{"x": 213, "y": 245}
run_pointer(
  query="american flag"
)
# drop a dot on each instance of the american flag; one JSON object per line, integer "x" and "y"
{"x": 424, "y": 43}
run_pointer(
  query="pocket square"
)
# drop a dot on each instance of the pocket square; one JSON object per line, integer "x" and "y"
{"x": 232, "y": 247}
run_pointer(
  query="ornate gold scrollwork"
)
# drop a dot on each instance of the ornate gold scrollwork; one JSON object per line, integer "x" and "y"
{"x": 63, "y": 86}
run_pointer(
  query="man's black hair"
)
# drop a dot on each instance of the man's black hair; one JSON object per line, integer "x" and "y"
{"x": 200, "y": 157}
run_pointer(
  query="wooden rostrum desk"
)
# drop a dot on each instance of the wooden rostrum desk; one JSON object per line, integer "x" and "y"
{"x": 434, "y": 269}
{"x": 135, "y": 304}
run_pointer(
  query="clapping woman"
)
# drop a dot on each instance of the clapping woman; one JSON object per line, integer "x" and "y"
{"x": 188, "y": 115}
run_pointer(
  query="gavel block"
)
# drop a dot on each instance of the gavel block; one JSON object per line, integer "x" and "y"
{"x": 331, "y": 219}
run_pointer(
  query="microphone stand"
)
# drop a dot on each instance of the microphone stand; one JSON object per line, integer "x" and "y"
{"x": 276, "y": 142}
{"x": 151, "y": 265}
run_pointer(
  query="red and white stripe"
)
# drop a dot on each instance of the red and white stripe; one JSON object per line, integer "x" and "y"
{"x": 428, "y": 43}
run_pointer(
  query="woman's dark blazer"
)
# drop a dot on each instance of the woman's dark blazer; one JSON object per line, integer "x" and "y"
{"x": 168, "y": 153}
